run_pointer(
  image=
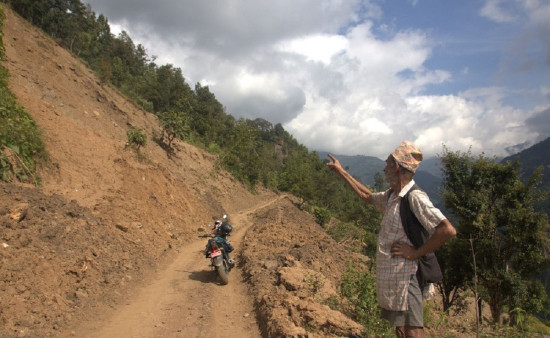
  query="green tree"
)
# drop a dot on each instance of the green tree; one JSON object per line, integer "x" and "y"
{"x": 209, "y": 119}
{"x": 495, "y": 209}
{"x": 174, "y": 125}
{"x": 379, "y": 182}
{"x": 297, "y": 176}
{"x": 453, "y": 258}
{"x": 241, "y": 151}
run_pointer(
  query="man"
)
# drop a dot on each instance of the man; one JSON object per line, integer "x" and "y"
{"x": 398, "y": 291}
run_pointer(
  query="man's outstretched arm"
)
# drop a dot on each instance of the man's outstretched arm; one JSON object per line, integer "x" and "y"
{"x": 362, "y": 191}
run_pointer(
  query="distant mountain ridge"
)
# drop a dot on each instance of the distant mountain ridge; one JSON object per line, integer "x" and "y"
{"x": 362, "y": 167}
{"x": 530, "y": 159}
{"x": 533, "y": 157}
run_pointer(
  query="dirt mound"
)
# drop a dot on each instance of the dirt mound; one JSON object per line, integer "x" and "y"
{"x": 296, "y": 270}
{"x": 105, "y": 219}
{"x": 57, "y": 257}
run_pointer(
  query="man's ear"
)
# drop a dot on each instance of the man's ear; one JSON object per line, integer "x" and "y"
{"x": 396, "y": 165}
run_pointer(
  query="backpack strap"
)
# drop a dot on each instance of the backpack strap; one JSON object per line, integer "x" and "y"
{"x": 416, "y": 232}
{"x": 428, "y": 270}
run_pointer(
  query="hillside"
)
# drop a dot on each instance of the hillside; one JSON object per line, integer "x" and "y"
{"x": 361, "y": 167}
{"x": 532, "y": 158}
{"x": 108, "y": 228}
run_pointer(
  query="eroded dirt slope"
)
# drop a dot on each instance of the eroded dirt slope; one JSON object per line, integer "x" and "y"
{"x": 106, "y": 226}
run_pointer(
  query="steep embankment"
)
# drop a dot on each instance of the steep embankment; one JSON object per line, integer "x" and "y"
{"x": 105, "y": 222}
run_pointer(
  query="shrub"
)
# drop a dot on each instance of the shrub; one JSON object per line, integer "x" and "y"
{"x": 136, "y": 138}
{"x": 348, "y": 234}
{"x": 359, "y": 287}
{"x": 322, "y": 215}
{"x": 434, "y": 318}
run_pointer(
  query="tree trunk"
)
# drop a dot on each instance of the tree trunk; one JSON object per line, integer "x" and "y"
{"x": 494, "y": 304}
{"x": 479, "y": 315}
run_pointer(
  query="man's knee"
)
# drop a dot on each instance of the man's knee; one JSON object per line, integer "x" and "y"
{"x": 409, "y": 332}
{"x": 400, "y": 331}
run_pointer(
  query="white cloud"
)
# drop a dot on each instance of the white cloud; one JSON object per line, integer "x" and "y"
{"x": 316, "y": 47}
{"x": 334, "y": 74}
{"x": 117, "y": 28}
{"x": 267, "y": 85}
{"x": 406, "y": 50}
{"x": 493, "y": 10}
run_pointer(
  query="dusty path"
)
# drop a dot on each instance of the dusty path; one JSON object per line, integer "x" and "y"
{"x": 185, "y": 299}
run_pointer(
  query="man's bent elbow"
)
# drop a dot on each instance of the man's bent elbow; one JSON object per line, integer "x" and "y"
{"x": 448, "y": 229}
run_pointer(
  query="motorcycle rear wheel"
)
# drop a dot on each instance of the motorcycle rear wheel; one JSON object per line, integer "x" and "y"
{"x": 223, "y": 272}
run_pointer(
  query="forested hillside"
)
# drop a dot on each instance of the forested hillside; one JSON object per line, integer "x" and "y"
{"x": 115, "y": 217}
{"x": 256, "y": 152}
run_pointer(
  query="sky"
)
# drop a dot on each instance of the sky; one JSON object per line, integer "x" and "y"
{"x": 357, "y": 77}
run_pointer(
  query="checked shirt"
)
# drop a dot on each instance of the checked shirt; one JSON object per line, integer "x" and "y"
{"x": 393, "y": 273}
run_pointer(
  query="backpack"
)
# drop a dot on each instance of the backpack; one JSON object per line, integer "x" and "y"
{"x": 428, "y": 270}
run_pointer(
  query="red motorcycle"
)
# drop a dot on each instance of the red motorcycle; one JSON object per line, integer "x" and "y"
{"x": 218, "y": 249}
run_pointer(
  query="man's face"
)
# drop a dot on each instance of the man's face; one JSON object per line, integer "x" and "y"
{"x": 391, "y": 170}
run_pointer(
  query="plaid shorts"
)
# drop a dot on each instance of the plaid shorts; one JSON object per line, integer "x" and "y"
{"x": 414, "y": 316}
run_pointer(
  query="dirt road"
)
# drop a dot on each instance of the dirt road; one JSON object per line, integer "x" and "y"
{"x": 185, "y": 299}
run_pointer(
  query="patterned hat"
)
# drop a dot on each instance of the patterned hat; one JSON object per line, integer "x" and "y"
{"x": 408, "y": 155}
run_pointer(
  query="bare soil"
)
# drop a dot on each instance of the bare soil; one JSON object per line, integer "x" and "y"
{"x": 107, "y": 245}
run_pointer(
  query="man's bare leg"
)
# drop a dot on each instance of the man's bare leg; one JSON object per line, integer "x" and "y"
{"x": 409, "y": 332}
